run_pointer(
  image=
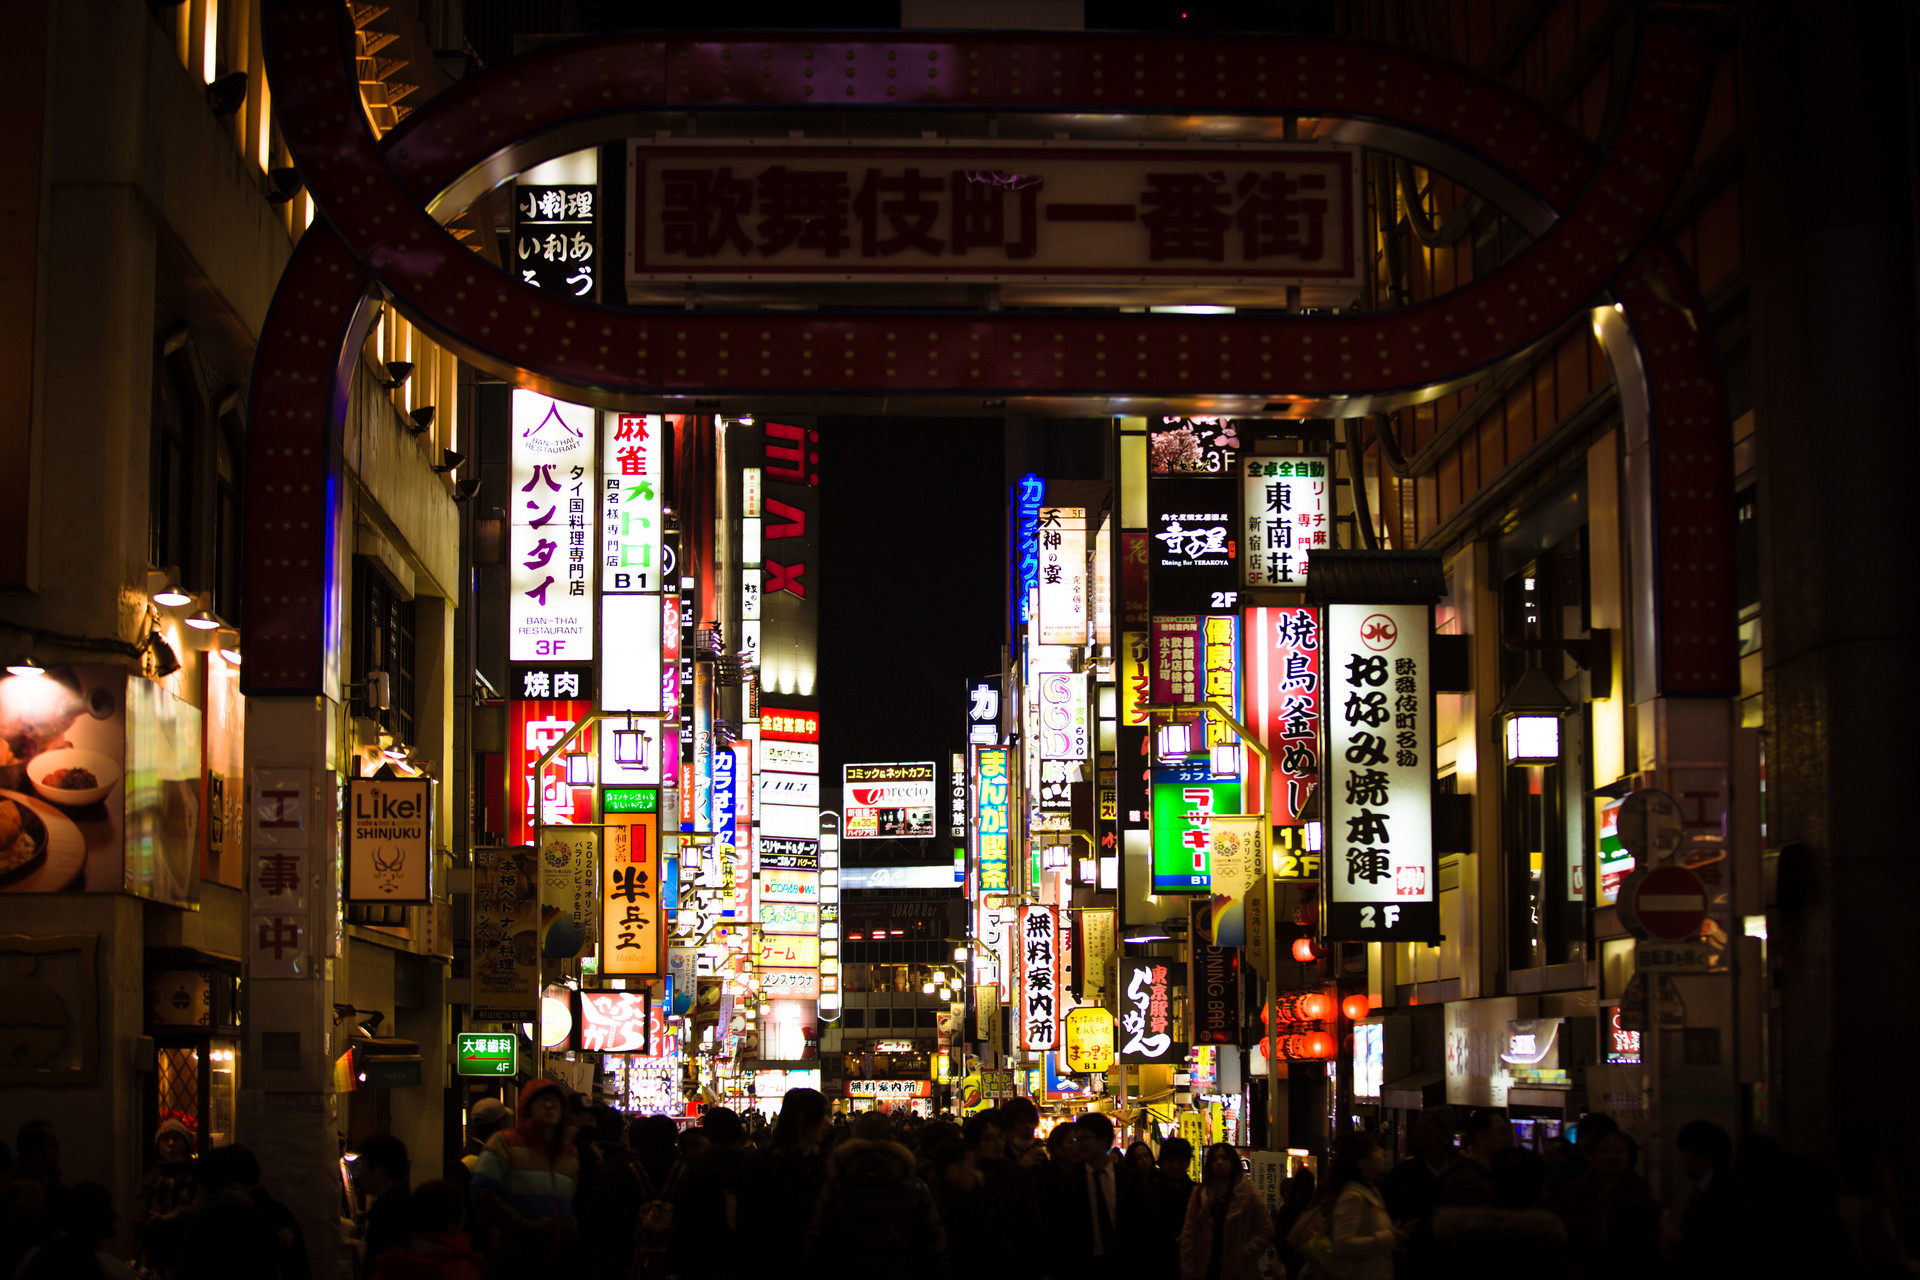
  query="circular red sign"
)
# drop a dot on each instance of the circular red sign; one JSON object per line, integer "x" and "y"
{"x": 1379, "y": 632}
{"x": 1671, "y": 903}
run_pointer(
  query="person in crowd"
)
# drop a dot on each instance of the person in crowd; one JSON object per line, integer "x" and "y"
{"x": 974, "y": 1246}
{"x": 1612, "y": 1221}
{"x": 1170, "y": 1190}
{"x": 1712, "y": 1234}
{"x": 707, "y": 1222}
{"x": 876, "y": 1219}
{"x": 36, "y": 1156}
{"x": 383, "y": 1174}
{"x": 525, "y": 1185}
{"x": 22, "y": 1224}
{"x": 1564, "y": 1167}
{"x": 1412, "y": 1191}
{"x": 928, "y": 1136}
{"x": 1470, "y": 1181}
{"x": 433, "y": 1248}
{"x": 782, "y": 1181}
{"x": 1296, "y": 1201}
{"x": 1140, "y": 1157}
{"x": 78, "y": 1249}
{"x": 1099, "y": 1215}
{"x": 1512, "y": 1235}
{"x": 1353, "y": 1231}
{"x": 486, "y": 1118}
{"x": 165, "y": 1196}
{"x": 610, "y": 1194}
{"x": 1007, "y": 1195}
{"x": 227, "y": 1238}
{"x": 1228, "y": 1233}
{"x": 654, "y": 1140}
{"x": 1022, "y": 1118}
{"x": 1869, "y": 1206}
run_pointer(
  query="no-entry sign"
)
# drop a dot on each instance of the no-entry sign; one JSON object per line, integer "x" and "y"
{"x": 1667, "y": 902}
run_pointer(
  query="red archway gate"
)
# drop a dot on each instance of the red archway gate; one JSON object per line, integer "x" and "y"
{"x": 1599, "y": 214}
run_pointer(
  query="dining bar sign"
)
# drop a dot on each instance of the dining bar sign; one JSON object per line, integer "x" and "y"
{"x": 1262, "y": 214}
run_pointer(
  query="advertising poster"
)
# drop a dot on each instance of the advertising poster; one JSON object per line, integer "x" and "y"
{"x": 506, "y": 934}
{"x": 389, "y": 839}
{"x": 163, "y": 792}
{"x": 65, "y": 800}
{"x": 1239, "y": 854}
{"x": 569, "y": 888}
{"x": 891, "y": 801}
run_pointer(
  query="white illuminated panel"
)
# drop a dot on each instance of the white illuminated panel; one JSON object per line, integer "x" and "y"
{"x": 630, "y": 669}
{"x": 798, "y": 821}
{"x": 1288, "y": 516}
{"x": 790, "y": 788}
{"x": 1063, "y": 575}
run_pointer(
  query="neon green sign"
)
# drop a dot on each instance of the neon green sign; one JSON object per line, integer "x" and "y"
{"x": 485, "y": 1053}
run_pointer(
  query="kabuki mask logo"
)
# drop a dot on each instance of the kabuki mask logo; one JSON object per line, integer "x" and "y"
{"x": 387, "y": 871}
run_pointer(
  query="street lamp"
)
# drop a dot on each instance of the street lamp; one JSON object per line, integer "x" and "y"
{"x": 1530, "y": 719}
{"x": 630, "y": 747}
{"x": 579, "y": 769}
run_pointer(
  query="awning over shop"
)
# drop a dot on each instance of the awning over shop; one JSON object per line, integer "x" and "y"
{"x": 1415, "y": 1092}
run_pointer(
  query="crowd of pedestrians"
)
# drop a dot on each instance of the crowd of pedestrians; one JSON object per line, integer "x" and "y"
{"x": 554, "y": 1187}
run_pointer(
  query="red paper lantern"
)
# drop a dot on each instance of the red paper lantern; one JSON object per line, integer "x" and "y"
{"x": 1356, "y": 1007}
{"x": 1304, "y": 951}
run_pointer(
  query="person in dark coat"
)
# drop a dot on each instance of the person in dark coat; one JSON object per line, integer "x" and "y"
{"x": 876, "y": 1219}
{"x": 1412, "y": 1190}
{"x": 1171, "y": 1192}
{"x": 1101, "y": 1213}
{"x": 227, "y": 1238}
{"x": 1712, "y": 1238}
{"x": 1007, "y": 1194}
{"x": 707, "y": 1222}
{"x": 432, "y": 1248}
{"x": 782, "y": 1180}
{"x": 165, "y": 1197}
{"x": 382, "y": 1172}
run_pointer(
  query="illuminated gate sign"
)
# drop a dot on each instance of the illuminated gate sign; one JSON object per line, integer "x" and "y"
{"x": 1378, "y": 867}
{"x": 1268, "y": 215}
{"x": 1287, "y": 513}
{"x": 550, "y": 582}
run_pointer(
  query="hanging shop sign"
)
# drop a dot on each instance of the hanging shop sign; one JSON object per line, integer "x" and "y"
{"x": 790, "y": 984}
{"x": 556, "y": 237}
{"x": 1216, "y": 980}
{"x": 1208, "y": 447}
{"x": 1028, "y": 494}
{"x": 1055, "y": 793}
{"x": 550, "y": 582}
{"x": 1185, "y": 799}
{"x": 1192, "y": 564}
{"x": 631, "y": 627}
{"x": 485, "y": 1053}
{"x": 957, "y": 796}
{"x": 1379, "y": 870}
{"x": 983, "y": 710}
{"x": 1063, "y": 575}
{"x": 1096, "y": 941}
{"x": 616, "y": 1022}
{"x": 1288, "y": 506}
{"x": 1065, "y": 722}
{"x": 629, "y": 800}
{"x": 782, "y": 725}
{"x": 1238, "y": 855}
{"x": 789, "y": 559}
{"x": 533, "y": 727}
{"x": 800, "y": 212}
{"x": 725, "y": 791}
{"x": 1089, "y": 1041}
{"x": 788, "y": 951}
{"x": 991, "y": 813}
{"x": 630, "y": 518}
{"x": 1037, "y": 962}
{"x": 894, "y": 801}
{"x": 788, "y": 852}
{"x": 506, "y": 934}
{"x": 538, "y": 681}
{"x": 1147, "y": 1032}
{"x": 790, "y": 788}
{"x": 1196, "y": 659}
{"x": 1283, "y": 691}
{"x": 789, "y": 757}
{"x": 389, "y": 839}
{"x": 789, "y": 886}
{"x": 631, "y": 928}
{"x": 789, "y": 917}
{"x": 890, "y": 1089}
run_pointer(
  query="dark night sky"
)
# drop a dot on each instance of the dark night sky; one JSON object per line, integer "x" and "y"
{"x": 911, "y": 544}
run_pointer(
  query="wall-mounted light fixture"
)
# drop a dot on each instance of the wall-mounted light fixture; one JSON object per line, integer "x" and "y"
{"x": 1530, "y": 718}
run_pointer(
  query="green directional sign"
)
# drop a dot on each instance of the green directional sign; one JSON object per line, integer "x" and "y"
{"x": 484, "y": 1053}
{"x": 630, "y": 800}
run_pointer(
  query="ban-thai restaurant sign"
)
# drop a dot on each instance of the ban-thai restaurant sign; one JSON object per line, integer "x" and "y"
{"x": 797, "y": 212}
